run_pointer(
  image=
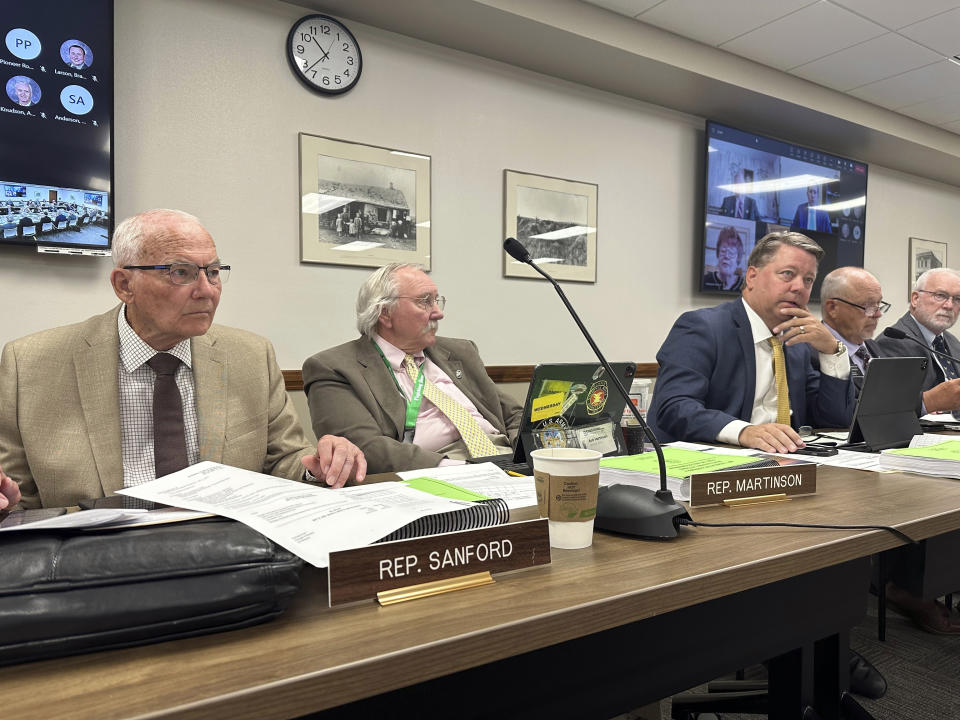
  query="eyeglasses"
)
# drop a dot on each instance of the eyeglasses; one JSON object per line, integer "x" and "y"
{"x": 880, "y": 307}
{"x": 426, "y": 302}
{"x": 187, "y": 273}
{"x": 941, "y": 297}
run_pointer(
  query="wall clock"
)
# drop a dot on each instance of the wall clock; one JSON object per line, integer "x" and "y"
{"x": 324, "y": 55}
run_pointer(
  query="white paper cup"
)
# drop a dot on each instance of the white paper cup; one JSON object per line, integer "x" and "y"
{"x": 567, "y": 481}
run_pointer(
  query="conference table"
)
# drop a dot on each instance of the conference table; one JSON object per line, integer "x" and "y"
{"x": 597, "y": 632}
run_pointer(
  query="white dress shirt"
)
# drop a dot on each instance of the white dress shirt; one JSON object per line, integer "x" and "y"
{"x": 136, "y": 380}
{"x": 765, "y": 392}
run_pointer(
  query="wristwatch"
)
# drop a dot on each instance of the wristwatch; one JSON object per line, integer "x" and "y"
{"x": 841, "y": 349}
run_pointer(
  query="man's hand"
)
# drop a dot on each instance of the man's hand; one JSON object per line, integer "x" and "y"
{"x": 771, "y": 437}
{"x": 9, "y": 492}
{"x": 943, "y": 397}
{"x": 802, "y": 327}
{"x": 336, "y": 461}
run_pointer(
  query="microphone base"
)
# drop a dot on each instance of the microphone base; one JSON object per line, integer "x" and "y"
{"x": 638, "y": 511}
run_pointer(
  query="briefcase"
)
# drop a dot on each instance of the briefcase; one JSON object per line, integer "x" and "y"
{"x": 69, "y": 592}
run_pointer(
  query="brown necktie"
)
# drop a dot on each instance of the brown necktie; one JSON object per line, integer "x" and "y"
{"x": 169, "y": 439}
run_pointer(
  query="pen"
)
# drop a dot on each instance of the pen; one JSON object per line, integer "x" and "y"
{"x": 515, "y": 474}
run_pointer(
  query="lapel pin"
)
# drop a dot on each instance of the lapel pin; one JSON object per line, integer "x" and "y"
{"x": 459, "y": 374}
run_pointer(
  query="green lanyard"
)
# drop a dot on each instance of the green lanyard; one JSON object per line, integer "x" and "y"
{"x": 413, "y": 405}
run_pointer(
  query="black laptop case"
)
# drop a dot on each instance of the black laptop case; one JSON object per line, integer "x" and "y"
{"x": 69, "y": 592}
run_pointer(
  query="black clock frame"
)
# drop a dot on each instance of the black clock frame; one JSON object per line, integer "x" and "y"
{"x": 294, "y": 67}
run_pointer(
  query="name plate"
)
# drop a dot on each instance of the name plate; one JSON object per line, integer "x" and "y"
{"x": 758, "y": 484}
{"x": 361, "y": 573}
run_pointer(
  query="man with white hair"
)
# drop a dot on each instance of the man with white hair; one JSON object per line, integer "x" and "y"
{"x": 24, "y": 92}
{"x": 934, "y": 307}
{"x": 152, "y": 386}
{"x": 407, "y": 398}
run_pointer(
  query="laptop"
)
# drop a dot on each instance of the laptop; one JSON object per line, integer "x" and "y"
{"x": 569, "y": 405}
{"x": 886, "y": 413}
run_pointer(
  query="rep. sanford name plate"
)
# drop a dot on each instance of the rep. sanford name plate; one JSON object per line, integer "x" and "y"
{"x": 362, "y": 573}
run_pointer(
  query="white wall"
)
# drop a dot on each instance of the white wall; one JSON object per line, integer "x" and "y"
{"x": 207, "y": 119}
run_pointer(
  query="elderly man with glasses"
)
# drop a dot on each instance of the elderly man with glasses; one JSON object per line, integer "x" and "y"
{"x": 151, "y": 386}
{"x": 408, "y": 398}
{"x": 852, "y": 306}
{"x": 934, "y": 307}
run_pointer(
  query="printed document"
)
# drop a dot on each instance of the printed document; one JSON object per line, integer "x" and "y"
{"x": 307, "y": 520}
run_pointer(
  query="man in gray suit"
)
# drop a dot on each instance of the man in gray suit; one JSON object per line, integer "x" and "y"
{"x": 934, "y": 307}
{"x": 366, "y": 389}
{"x": 77, "y": 403}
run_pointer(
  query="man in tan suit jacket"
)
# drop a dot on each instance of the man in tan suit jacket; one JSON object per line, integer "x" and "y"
{"x": 352, "y": 392}
{"x": 61, "y": 423}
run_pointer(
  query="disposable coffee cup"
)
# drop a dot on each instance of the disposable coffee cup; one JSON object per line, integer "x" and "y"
{"x": 567, "y": 480}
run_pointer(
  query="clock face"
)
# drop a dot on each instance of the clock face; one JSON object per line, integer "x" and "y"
{"x": 324, "y": 54}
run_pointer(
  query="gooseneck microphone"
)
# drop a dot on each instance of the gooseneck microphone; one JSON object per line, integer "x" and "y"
{"x": 621, "y": 508}
{"x": 897, "y": 334}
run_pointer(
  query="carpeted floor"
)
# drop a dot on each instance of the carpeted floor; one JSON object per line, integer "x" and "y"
{"x": 922, "y": 672}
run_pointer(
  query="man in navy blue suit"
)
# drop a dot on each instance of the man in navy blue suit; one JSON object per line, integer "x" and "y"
{"x": 809, "y": 217}
{"x": 716, "y": 379}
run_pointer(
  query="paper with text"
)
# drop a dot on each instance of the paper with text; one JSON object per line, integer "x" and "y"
{"x": 307, "y": 520}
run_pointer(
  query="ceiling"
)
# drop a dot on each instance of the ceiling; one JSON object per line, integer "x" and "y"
{"x": 892, "y": 53}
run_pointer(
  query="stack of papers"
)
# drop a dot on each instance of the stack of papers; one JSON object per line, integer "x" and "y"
{"x": 644, "y": 470}
{"x": 942, "y": 458}
{"x": 311, "y": 521}
{"x": 483, "y": 478}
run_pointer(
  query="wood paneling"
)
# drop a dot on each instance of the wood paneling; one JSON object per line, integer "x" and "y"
{"x": 497, "y": 373}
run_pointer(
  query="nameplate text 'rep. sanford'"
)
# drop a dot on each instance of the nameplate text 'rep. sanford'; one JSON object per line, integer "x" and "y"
{"x": 717, "y": 487}
{"x": 361, "y": 573}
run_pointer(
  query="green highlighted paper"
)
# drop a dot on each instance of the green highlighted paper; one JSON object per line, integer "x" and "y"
{"x": 443, "y": 489}
{"x": 948, "y": 450}
{"x": 680, "y": 463}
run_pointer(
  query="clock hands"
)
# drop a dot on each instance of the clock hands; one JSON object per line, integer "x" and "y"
{"x": 326, "y": 55}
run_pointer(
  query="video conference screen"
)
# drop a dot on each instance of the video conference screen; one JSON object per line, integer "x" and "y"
{"x": 56, "y": 124}
{"x": 756, "y": 185}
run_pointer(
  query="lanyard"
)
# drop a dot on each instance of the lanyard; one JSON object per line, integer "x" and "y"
{"x": 413, "y": 404}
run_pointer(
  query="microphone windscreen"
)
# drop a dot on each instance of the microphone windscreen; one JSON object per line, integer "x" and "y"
{"x": 895, "y": 333}
{"x": 516, "y": 250}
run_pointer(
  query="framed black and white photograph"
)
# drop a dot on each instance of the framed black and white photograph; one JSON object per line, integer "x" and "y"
{"x": 556, "y": 221}
{"x": 363, "y": 205}
{"x": 925, "y": 255}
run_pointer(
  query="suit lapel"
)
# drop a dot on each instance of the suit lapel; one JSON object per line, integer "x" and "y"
{"x": 96, "y": 363}
{"x": 381, "y": 383}
{"x": 794, "y": 357}
{"x": 745, "y": 339}
{"x": 454, "y": 370}
{"x": 210, "y": 381}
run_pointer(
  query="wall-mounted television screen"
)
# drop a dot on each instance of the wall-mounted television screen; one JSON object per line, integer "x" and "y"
{"x": 756, "y": 185}
{"x": 56, "y": 125}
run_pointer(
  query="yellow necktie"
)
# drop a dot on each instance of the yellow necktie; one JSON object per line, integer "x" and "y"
{"x": 476, "y": 440}
{"x": 780, "y": 377}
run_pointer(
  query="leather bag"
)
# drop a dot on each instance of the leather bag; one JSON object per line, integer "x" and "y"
{"x": 63, "y": 593}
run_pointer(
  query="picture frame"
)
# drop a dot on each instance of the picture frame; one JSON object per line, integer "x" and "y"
{"x": 363, "y": 205}
{"x": 556, "y": 220}
{"x": 924, "y": 255}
